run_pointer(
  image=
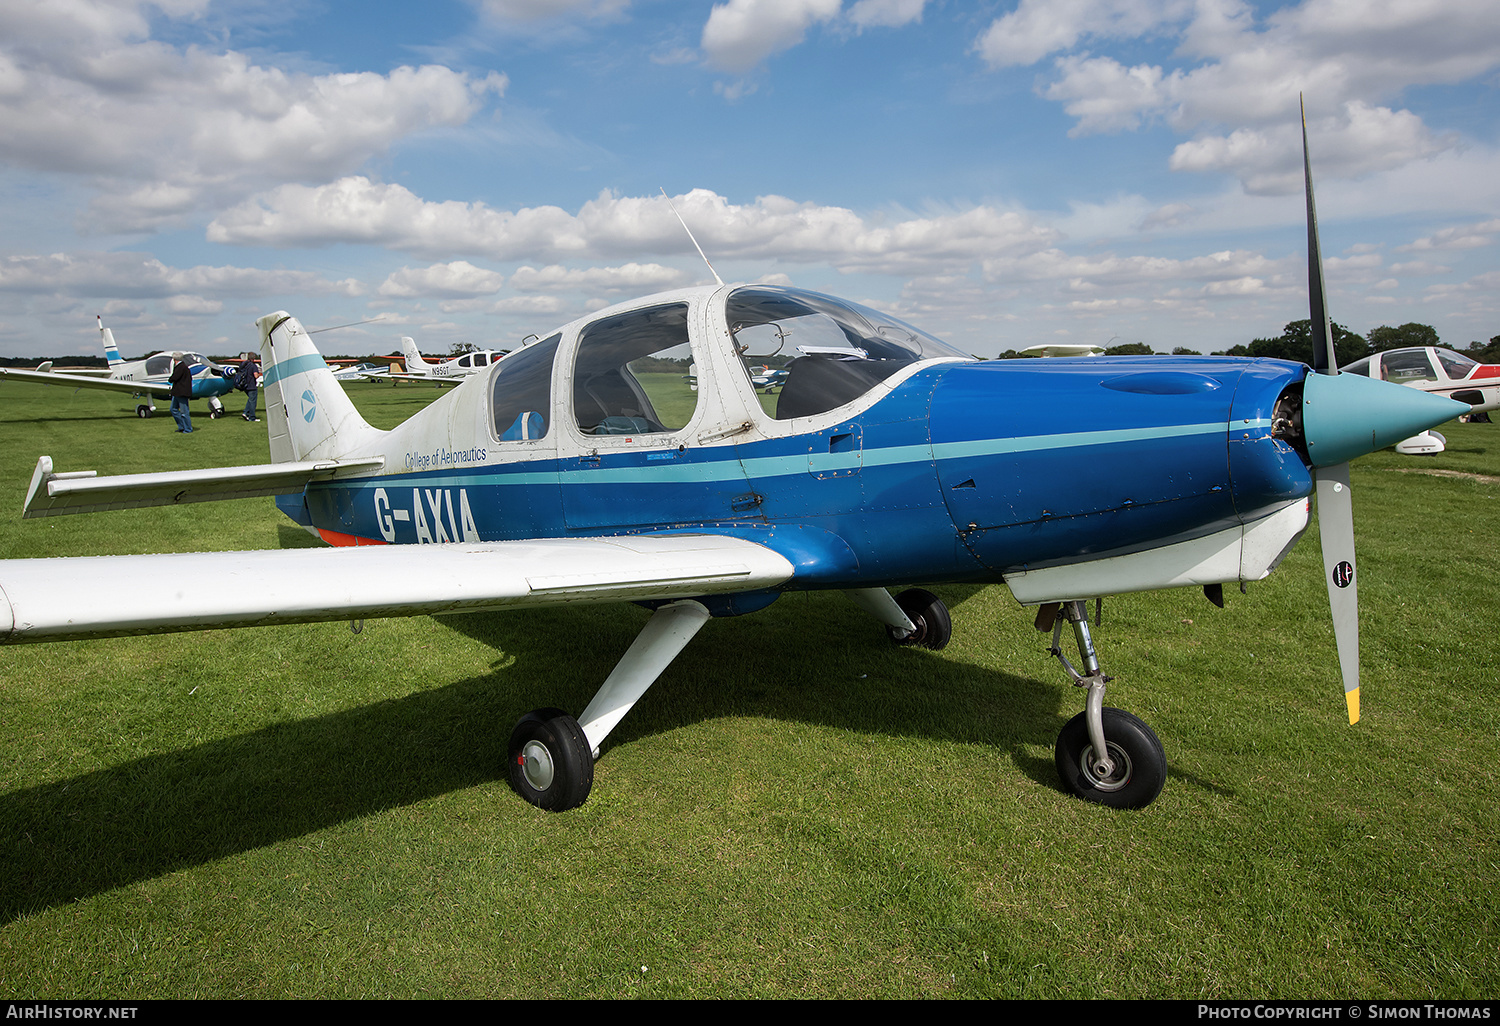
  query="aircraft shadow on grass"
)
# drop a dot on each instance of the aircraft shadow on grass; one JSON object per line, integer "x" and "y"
{"x": 76, "y": 838}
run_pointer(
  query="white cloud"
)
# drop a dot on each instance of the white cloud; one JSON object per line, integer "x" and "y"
{"x": 773, "y": 227}
{"x": 1214, "y": 274}
{"x": 1233, "y": 83}
{"x": 137, "y": 275}
{"x": 458, "y": 278}
{"x": 637, "y": 279}
{"x": 1037, "y": 28}
{"x": 194, "y": 305}
{"x": 1104, "y": 95}
{"x": 1360, "y": 141}
{"x": 164, "y": 130}
{"x": 1468, "y": 236}
{"x": 741, "y": 33}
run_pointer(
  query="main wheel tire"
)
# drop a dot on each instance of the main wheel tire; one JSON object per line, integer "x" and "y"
{"x": 551, "y": 763}
{"x": 215, "y": 414}
{"x": 928, "y": 615}
{"x": 143, "y": 411}
{"x": 1140, "y": 768}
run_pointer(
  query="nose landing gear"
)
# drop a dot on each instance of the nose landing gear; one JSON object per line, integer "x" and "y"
{"x": 1103, "y": 755}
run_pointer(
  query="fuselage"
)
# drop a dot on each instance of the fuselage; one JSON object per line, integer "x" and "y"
{"x": 936, "y": 467}
{"x": 209, "y": 379}
{"x": 1436, "y": 370}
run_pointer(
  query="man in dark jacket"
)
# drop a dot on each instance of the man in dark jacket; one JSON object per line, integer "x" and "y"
{"x": 246, "y": 379}
{"x": 182, "y": 390}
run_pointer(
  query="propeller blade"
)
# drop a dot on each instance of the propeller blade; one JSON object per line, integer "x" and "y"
{"x": 1335, "y": 505}
{"x": 1324, "y": 361}
{"x": 1336, "y": 526}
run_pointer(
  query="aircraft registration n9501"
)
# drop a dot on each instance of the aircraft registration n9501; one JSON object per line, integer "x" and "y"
{"x": 637, "y": 454}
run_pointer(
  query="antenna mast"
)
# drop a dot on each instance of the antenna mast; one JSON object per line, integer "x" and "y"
{"x": 690, "y": 235}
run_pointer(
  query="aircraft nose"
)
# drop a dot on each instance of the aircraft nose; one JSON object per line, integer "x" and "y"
{"x": 1348, "y": 415}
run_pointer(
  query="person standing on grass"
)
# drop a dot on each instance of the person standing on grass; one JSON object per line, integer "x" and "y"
{"x": 246, "y": 379}
{"x": 182, "y": 390}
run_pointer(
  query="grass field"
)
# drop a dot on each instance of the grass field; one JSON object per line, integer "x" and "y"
{"x": 797, "y": 809}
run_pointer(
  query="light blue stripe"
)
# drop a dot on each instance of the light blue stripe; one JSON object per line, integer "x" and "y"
{"x": 1071, "y": 439}
{"x": 290, "y": 368}
{"x": 731, "y": 469}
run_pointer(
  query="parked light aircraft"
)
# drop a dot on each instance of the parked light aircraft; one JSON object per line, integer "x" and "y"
{"x": 1436, "y": 370}
{"x": 439, "y": 372}
{"x": 146, "y": 378}
{"x": 577, "y": 469}
{"x": 360, "y": 371}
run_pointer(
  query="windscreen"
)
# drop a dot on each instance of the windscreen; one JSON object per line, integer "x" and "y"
{"x": 818, "y": 353}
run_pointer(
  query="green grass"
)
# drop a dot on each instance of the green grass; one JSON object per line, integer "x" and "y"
{"x": 796, "y": 809}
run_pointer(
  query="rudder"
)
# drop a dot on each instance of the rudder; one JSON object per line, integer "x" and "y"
{"x": 308, "y": 414}
{"x": 416, "y": 363}
{"x": 111, "y": 351}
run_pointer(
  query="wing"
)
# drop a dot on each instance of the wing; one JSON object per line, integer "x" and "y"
{"x": 60, "y": 599}
{"x": 82, "y": 491}
{"x": 87, "y": 381}
{"x": 430, "y": 379}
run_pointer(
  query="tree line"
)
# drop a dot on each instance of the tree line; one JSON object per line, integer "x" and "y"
{"x": 1295, "y": 343}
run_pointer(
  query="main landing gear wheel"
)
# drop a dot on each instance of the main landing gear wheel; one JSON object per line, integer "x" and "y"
{"x": 215, "y": 414}
{"x": 928, "y": 615}
{"x": 143, "y": 411}
{"x": 551, "y": 763}
{"x": 1140, "y": 765}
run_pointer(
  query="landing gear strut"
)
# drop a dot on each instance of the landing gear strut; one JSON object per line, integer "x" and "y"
{"x": 1103, "y": 755}
{"x": 552, "y": 755}
{"x": 914, "y": 617}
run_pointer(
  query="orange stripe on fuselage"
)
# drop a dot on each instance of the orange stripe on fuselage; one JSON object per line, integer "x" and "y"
{"x": 339, "y": 538}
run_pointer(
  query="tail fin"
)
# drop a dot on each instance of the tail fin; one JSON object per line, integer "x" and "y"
{"x": 307, "y": 412}
{"x": 111, "y": 352}
{"x": 415, "y": 362}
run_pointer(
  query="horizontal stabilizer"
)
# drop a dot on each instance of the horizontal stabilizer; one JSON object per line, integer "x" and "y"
{"x": 58, "y": 599}
{"x": 83, "y": 491}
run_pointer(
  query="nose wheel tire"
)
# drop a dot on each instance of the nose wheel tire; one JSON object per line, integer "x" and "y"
{"x": 1139, "y": 764}
{"x": 928, "y": 615}
{"x": 551, "y": 763}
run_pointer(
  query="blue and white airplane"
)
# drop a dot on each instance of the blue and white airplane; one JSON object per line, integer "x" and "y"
{"x": 145, "y": 378}
{"x": 583, "y": 468}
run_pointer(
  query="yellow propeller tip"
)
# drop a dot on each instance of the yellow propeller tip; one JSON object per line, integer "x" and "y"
{"x": 1352, "y": 698}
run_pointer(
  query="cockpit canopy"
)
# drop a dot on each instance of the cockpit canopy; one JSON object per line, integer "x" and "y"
{"x": 635, "y": 372}
{"x": 1416, "y": 364}
{"x": 161, "y": 363}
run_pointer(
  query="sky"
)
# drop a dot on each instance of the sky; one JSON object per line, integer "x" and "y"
{"x": 999, "y": 174}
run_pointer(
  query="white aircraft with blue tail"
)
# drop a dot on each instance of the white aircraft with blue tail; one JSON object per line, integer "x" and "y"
{"x": 583, "y": 468}
{"x": 146, "y": 378}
